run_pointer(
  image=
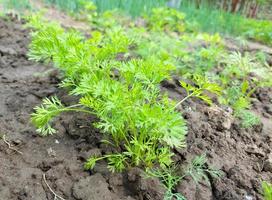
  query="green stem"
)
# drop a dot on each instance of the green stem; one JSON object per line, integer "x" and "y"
{"x": 74, "y": 109}
{"x": 252, "y": 91}
{"x": 184, "y": 99}
{"x": 78, "y": 110}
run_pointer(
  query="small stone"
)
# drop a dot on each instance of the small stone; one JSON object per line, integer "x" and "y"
{"x": 221, "y": 119}
{"x": 248, "y": 197}
{"x": 227, "y": 123}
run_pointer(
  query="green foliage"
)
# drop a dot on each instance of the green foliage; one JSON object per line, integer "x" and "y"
{"x": 214, "y": 20}
{"x": 71, "y": 5}
{"x": 267, "y": 191}
{"x": 238, "y": 65}
{"x": 259, "y": 30}
{"x": 248, "y": 118}
{"x": 249, "y": 74}
{"x": 124, "y": 95}
{"x": 134, "y": 8}
{"x": 116, "y": 74}
{"x": 50, "y": 108}
{"x": 186, "y": 52}
{"x": 202, "y": 85}
{"x": 169, "y": 180}
{"x": 238, "y": 97}
{"x": 107, "y": 20}
{"x": 44, "y": 114}
{"x": 199, "y": 170}
{"x": 207, "y": 18}
{"x": 166, "y": 19}
{"x": 201, "y": 60}
{"x": 170, "y": 195}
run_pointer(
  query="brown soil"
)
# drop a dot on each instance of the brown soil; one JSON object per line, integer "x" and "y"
{"x": 244, "y": 155}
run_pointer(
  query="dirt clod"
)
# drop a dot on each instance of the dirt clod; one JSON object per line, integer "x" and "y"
{"x": 92, "y": 188}
{"x": 268, "y": 164}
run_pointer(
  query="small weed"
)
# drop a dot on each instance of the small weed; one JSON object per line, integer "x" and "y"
{"x": 199, "y": 170}
{"x": 169, "y": 180}
{"x": 248, "y": 118}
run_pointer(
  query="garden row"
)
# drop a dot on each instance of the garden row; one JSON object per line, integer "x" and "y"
{"x": 116, "y": 74}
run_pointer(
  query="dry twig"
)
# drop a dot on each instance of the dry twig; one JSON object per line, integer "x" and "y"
{"x": 10, "y": 146}
{"x": 56, "y": 196}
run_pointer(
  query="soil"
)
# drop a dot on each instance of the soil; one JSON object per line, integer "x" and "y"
{"x": 244, "y": 155}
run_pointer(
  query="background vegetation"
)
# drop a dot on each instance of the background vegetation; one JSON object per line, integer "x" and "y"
{"x": 231, "y": 17}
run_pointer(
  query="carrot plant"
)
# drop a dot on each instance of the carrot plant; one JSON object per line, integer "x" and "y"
{"x": 166, "y": 19}
{"x": 116, "y": 75}
{"x": 242, "y": 76}
{"x": 197, "y": 169}
{"x": 135, "y": 117}
{"x": 198, "y": 90}
{"x": 124, "y": 94}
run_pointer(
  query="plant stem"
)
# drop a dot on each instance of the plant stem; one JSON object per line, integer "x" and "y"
{"x": 184, "y": 99}
{"x": 72, "y": 108}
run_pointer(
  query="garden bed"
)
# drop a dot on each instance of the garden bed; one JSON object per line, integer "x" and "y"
{"x": 244, "y": 155}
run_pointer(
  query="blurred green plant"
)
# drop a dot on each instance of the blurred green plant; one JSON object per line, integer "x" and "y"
{"x": 198, "y": 18}
{"x": 166, "y": 19}
{"x": 241, "y": 77}
{"x": 169, "y": 180}
{"x": 267, "y": 191}
{"x": 199, "y": 170}
{"x": 259, "y": 30}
